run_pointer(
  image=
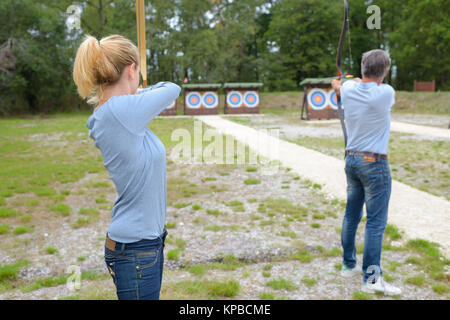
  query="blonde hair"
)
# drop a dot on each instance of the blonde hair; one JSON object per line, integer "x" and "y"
{"x": 99, "y": 63}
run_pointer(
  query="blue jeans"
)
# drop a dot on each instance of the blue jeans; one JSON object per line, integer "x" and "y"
{"x": 367, "y": 183}
{"x": 137, "y": 268}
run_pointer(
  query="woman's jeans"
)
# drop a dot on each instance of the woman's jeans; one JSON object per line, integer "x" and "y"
{"x": 137, "y": 268}
{"x": 367, "y": 183}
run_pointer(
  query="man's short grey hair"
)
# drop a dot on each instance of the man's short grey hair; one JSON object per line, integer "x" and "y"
{"x": 375, "y": 63}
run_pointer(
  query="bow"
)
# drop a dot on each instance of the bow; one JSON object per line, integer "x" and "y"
{"x": 140, "y": 22}
{"x": 338, "y": 65}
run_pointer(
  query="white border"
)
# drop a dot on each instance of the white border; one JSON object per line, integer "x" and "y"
{"x": 231, "y": 105}
{"x": 256, "y": 103}
{"x": 187, "y": 100}
{"x": 325, "y": 94}
{"x": 204, "y": 100}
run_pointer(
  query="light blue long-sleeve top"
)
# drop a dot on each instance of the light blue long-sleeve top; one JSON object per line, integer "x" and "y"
{"x": 367, "y": 111}
{"x": 135, "y": 160}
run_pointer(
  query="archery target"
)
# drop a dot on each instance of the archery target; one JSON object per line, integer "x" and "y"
{"x": 251, "y": 99}
{"x": 317, "y": 99}
{"x": 332, "y": 98}
{"x": 210, "y": 100}
{"x": 193, "y": 100}
{"x": 234, "y": 99}
{"x": 172, "y": 105}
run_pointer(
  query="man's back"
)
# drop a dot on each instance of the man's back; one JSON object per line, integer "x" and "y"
{"x": 367, "y": 115}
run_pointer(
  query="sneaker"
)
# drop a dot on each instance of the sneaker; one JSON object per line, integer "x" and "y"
{"x": 350, "y": 272}
{"x": 380, "y": 286}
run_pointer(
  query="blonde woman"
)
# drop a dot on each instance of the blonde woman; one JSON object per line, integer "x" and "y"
{"x": 106, "y": 73}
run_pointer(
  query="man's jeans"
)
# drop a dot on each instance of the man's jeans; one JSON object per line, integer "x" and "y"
{"x": 370, "y": 183}
{"x": 137, "y": 268}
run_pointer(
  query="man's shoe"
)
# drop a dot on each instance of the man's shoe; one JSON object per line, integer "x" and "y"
{"x": 380, "y": 286}
{"x": 348, "y": 272}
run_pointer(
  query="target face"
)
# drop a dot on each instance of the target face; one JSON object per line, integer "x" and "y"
{"x": 234, "y": 99}
{"x": 317, "y": 99}
{"x": 210, "y": 100}
{"x": 251, "y": 99}
{"x": 332, "y": 97}
{"x": 171, "y": 106}
{"x": 193, "y": 100}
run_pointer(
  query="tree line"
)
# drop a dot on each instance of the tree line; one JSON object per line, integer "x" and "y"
{"x": 277, "y": 42}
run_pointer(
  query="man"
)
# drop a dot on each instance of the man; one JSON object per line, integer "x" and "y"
{"x": 368, "y": 103}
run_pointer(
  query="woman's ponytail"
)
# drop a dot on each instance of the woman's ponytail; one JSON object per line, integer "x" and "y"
{"x": 99, "y": 63}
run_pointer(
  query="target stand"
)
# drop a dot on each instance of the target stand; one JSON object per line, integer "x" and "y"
{"x": 319, "y": 99}
{"x": 170, "y": 110}
{"x": 242, "y": 97}
{"x": 201, "y": 98}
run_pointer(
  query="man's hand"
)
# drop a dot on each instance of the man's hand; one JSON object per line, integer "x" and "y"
{"x": 336, "y": 85}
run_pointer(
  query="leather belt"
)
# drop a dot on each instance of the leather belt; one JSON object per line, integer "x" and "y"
{"x": 110, "y": 244}
{"x": 366, "y": 154}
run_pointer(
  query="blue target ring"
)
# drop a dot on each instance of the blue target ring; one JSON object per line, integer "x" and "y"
{"x": 234, "y": 99}
{"x": 194, "y": 100}
{"x": 251, "y": 99}
{"x": 332, "y": 96}
{"x": 318, "y": 99}
{"x": 210, "y": 100}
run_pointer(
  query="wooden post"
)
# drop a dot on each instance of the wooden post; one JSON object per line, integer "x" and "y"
{"x": 140, "y": 21}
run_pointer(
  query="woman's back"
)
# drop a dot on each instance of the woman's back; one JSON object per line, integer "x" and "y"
{"x": 135, "y": 160}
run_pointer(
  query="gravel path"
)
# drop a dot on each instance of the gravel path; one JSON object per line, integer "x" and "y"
{"x": 425, "y": 132}
{"x": 417, "y": 213}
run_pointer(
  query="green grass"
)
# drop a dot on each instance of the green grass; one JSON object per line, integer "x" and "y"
{"x": 22, "y": 229}
{"x": 173, "y": 254}
{"x": 441, "y": 288}
{"x": 215, "y": 212}
{"x": 392, "y": 232}
{"x": 51, "y": 250}
{"x": 6, "y": 212}
{"x": 417, "y": 280}
{"x": 282, "y": 284}
{"x": 10, "y": 271}
{"x": 198, "y": 270}
{"x": 61, "y": 208}
{"x": 335, "y": 252}
{"x": 180, "y": 205}
{"x": 4, "y": 228}
{"x": 252, "y": 181}
{"x": 81, "y": 222}
{"x": 309, "y": 282}
{"x": 266, "y": 296}
{"x": 171, "y": 225}
{"x": 200, "y": 290}
{"x": 359, "y": 295}
{"x": 93, "y": 212}
{"x": 237, "y": 206}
